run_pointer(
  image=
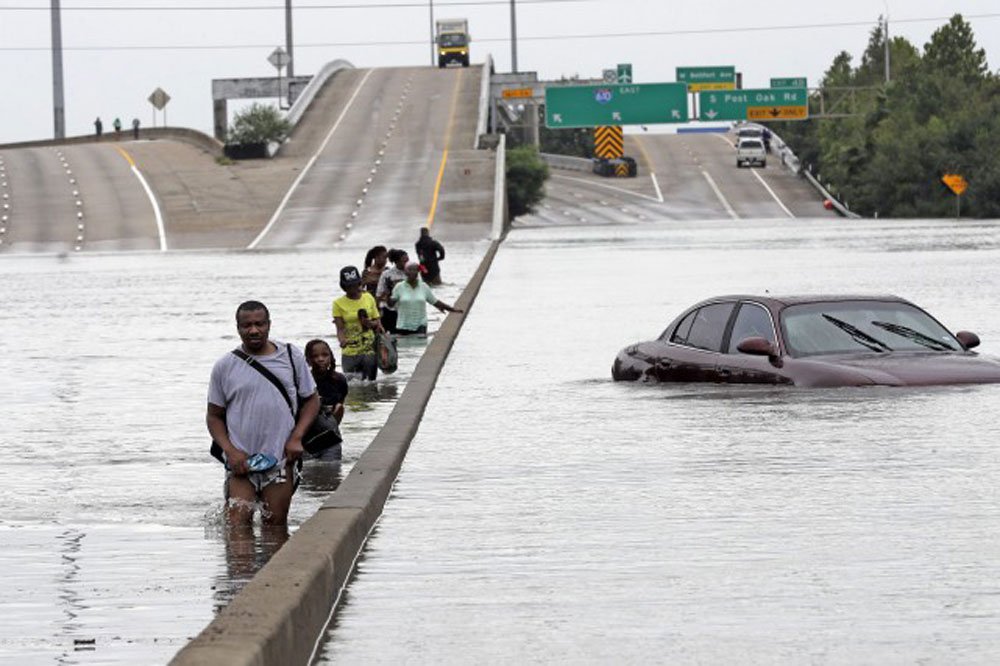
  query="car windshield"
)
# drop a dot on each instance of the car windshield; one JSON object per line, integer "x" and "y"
{"x": 841, "y": 327}
{"x": 452, "y": 39}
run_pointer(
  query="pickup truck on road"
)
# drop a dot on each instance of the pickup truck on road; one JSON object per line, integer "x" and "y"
{"x": 750, "y": 152}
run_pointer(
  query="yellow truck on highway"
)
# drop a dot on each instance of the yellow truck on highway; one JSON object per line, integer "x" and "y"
{"x": 453, "y": 42}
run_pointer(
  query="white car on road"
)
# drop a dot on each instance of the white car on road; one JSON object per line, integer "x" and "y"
{"x": 750, "y": 151}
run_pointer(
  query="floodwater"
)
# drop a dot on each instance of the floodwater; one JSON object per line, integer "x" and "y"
{"x": 547, "y": 514}
{"x": 112, "y": 544}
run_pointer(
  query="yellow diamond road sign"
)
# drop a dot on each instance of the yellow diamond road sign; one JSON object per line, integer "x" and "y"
{"x": 955, "y": 183}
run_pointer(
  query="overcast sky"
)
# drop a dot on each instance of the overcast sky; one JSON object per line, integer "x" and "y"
{"x": 555, "y": 38}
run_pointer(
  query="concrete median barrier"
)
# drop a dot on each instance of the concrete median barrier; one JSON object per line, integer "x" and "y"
{"x": 280, "y": 616}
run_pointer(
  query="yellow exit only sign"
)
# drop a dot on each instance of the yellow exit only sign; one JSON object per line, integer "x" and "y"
{"x": 777, "y": 112}
{"x": 518, "y": 93}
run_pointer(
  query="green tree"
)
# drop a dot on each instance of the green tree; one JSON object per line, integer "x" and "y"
{"x": 260, "y": 123}
{"x": 940, "y": 113}
{"x": 526, "y": 176}
{"x": 952, "y": 52}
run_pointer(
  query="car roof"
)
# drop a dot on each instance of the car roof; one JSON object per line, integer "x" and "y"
{"x": 778, "y": 302}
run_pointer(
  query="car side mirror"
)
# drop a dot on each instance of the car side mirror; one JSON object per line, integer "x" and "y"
{"x": 757, "y": 346}
{"x": 967, "y": 339}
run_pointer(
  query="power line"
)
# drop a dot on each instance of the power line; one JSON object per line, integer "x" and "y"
{"x": 656, "y": 33}
{"x": 241, "y": 8}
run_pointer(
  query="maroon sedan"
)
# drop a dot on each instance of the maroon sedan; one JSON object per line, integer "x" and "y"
{"x": 808, "y": 341}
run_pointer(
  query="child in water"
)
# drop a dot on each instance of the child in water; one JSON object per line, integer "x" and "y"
{"x": 330, "y": 384}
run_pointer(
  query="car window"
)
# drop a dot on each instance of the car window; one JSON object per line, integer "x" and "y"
{"x": 708, "y": 325}
{"x": 751, "y": 144}
{"x": 681, "y": 332}
{"x": 751, "y": 321}
{"x": 862, "y": 326}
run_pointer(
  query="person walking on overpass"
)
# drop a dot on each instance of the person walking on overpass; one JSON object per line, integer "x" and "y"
{"x": 135, "y": 129}
{"x": 252, "y": 415}
{"x": 410, "y": 298}
{"x": 98, "y": 127}
{"x": 356, "y": 316}
{"x": 429, "y": 254}
{"x": 118, "y": 128}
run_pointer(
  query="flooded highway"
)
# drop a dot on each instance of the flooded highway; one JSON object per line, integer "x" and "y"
{"x": 547, "y": 514}
{"x": 113, "y": 545}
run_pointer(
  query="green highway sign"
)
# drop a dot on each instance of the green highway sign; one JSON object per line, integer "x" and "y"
{"x": 796, "y": 82}
{"x": 707, "y": 78}
{"x": 635, "y": 104}
{"x": 625, "y": 72}
{"x": 763, "y": 104}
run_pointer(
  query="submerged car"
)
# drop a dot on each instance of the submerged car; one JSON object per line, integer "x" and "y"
{"x": 812, "y": 341}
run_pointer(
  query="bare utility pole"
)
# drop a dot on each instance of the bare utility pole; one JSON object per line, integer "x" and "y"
{"x": 288, "y": 39}
{"x": 58, "y": 103}
{"x": 513, "y": 36}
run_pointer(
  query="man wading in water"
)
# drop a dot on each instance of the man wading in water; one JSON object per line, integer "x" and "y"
{"x": 252, "y": 419}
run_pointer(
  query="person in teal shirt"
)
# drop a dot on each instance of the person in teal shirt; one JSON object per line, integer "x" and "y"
{"x": 410, "y": 298}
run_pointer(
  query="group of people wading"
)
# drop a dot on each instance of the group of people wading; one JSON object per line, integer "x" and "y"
{"x": 267, "y": 400}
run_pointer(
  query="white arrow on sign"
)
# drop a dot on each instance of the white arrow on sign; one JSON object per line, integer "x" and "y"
{"x": 616, "y": 115}
{"x": 711, "y": 114}
{"x": 557, "y": 117}
{"x": 674, "y": 113}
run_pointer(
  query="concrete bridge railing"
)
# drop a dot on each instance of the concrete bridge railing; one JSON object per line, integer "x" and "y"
{"x": 567, "y": 163}
{"x": 182, "y": 134}
{"x": 483, "y": 119}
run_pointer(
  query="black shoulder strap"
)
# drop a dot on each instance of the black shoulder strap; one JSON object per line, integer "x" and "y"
{"x": 269, "y": 376}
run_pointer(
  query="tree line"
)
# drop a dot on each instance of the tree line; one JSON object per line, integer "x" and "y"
{"x": 939, "y": 114}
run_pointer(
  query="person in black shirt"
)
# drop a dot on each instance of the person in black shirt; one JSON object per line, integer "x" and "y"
{"x": 429, "y": 253}
{"x": 331, "y": 385}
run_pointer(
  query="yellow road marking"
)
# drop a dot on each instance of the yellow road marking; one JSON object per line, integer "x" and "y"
{"x": 128, "y": 157}
{"x": 645, "y": 155}
{"x": 447, "y": 145}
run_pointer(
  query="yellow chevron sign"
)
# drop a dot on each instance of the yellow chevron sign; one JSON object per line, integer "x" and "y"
{"x": 621, "y": 171}
{"x": 609, "y": 143}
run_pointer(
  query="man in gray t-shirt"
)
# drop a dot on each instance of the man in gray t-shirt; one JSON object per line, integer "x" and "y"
{"x": 247, "y": 416}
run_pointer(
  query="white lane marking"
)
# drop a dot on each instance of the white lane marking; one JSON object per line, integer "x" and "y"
{"x": 718, "y": 193}
{"x": 607, "y": 187}
{"x": 768, "y": 188}
{"x": 725, "y": 140}
{"x": 149, "y": 193}
{"x": 156, "y": 208}
{"x": 312, "y": 160}
{"x": 659, "y": 194}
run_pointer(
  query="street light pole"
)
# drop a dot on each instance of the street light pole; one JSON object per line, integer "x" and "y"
{"x": 513, "y": 36}
{"x": 433, "y": 50}
{"x": 288, "y": 38}
{"x": 58, "y": 103}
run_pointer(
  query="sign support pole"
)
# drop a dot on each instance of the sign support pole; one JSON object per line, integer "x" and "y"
{"x": 58, "y": 102}
{"x": 513, "y": 36}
